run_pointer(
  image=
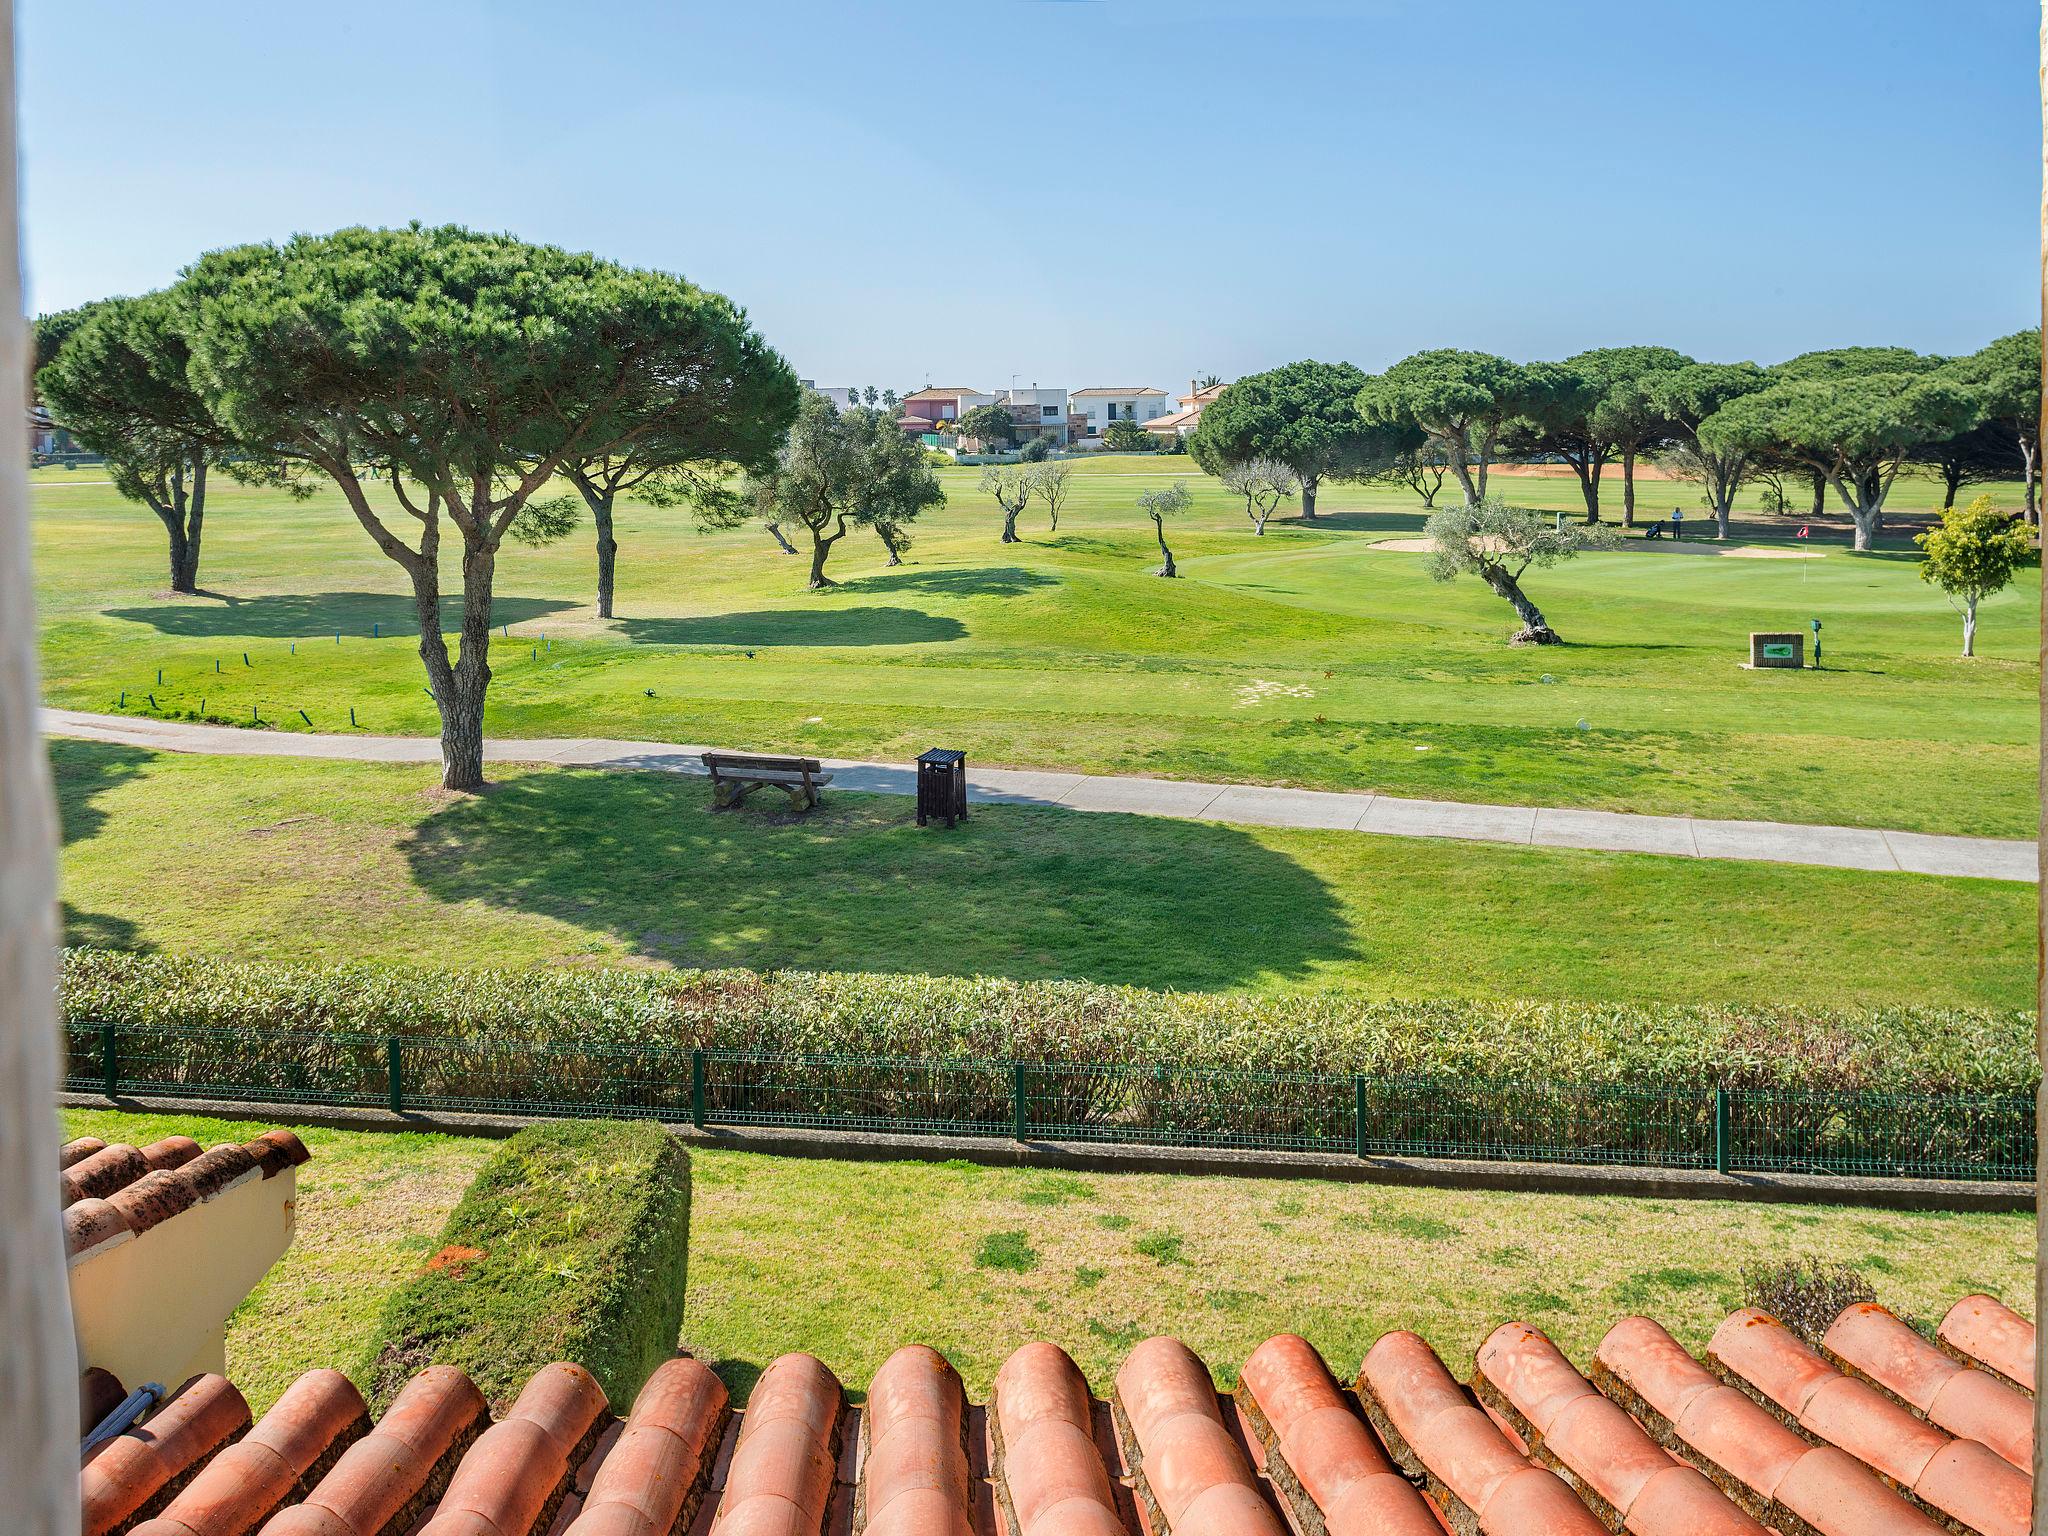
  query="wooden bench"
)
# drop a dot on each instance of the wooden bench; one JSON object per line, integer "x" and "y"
{"x": 735, "y": 775}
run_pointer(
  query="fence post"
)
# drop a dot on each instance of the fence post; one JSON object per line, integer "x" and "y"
{"x": 110, "y": 1061}
{"x": 1721, "y": 1147}
{"x": 1020, "y": 1109}
{"x": 394, "y": 1075}
{"x": 1358, "y": 1113}
{"x": 697, "y": 1088}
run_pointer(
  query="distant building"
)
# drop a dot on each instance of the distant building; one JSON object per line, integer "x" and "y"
{"x": 1097, "y": 407}
{"x": 1037, "y": 412}
{"x": 1181, "y": 422}
{"x": 935, "y": 404}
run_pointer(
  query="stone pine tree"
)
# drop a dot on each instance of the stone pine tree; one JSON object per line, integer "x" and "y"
{"x": 741, "y": 407}
{"x": 1500, "y": 544}
{"x": 116, "y": 375}
{"x": 1973, "y": 554}
{"x": 469, "y": 371}
{"x": 1687, "y": 399}
{"x": 1625, "y": 418}
{"x": 1464, "y": 402}
{"x": 1159, "y": 506}
{"x": 1304, "y": 415}
{"x": 2005, "y": 377}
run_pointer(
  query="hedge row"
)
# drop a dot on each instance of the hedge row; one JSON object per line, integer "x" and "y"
{"x": 1933, "y": 1049}
{"x": 570, "y": 1245}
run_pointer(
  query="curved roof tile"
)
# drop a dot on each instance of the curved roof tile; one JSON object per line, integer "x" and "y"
{"x": 135, "y": 1472}
{"x": 1988, "y": 1333}
{"x": 514, "y": 1478}
{"x": 653, "y": 1478}
{"x": 914, "y": 1475}
{"x": 1047, "y": 1467}
{"x": 1189, "y": 1467}
{"x": 1969, "y": 1404}
{"x": 784, "y": 1457}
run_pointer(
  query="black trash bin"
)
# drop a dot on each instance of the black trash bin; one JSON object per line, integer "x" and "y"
{"x": 941, "y": 786}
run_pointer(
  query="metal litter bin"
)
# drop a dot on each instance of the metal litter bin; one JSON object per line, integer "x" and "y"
{"x": 941, "y": 786}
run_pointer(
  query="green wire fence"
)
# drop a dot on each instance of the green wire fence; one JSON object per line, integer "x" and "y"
{"x": 1849, "y": 1132}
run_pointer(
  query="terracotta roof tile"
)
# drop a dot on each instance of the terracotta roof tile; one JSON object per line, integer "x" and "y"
{"x": 1436, "y": 1432}
{"x": 1317, "y": 1444}
{"x": 101, "y": 1173}
{"x": 653, "y": 1478}
{"x": 387, "y": 1479}
{"x": 784, "y": 1457}
{"x": 1969, "y": 1404}
{"x": 1190, "y": 1470}
{"x": 913, "y": 1479}
{"x": 514, "y": 1478}
{"x": 1624, "y": 1475}
{"x": 1957, "y": 1479}
{"x": 276, "y": 1463}
{"x": 1048, "y": 1471}
{"x": 117, "y": 1191}
{"x": 1774, "y": 1474}
{"x": 1989, "y": 1334}
{"x": 79, "y": 1150}
{"x": 135, "y": 1473}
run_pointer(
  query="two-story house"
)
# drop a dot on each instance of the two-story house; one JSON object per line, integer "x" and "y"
{"x": 1101, "y": 405}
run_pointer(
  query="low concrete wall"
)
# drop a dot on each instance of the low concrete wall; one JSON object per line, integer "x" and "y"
{"x": 1447, "y": 1173}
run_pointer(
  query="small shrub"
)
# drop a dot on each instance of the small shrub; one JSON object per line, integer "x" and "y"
{"x": 571, "y": 1244}
{"x": 1806, "y": 1295}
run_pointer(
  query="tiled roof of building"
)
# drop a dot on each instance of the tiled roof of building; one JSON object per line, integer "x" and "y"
{"x": 1876, "y": 1431}
{"x": 112, "y": 1193}
{"x": 1119, "y": 394}
{"x": 933, "y": 392}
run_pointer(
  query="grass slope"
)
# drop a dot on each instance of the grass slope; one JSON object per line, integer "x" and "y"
{"x": 284, "y": 860}
{"x": 851, "y": 1260}
{"x": 1305, "y": 657}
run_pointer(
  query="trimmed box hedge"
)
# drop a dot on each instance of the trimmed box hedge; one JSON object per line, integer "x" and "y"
{"x": 572, "y": 1244}
{"x": 1945, "y": 1050}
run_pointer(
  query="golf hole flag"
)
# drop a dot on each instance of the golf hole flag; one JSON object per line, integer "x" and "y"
{"x": 1804, "y": 530}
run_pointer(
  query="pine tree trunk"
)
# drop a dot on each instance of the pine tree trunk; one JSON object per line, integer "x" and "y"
{"x": 1589, "y": 490}
{"x": 600, "y": 504}
{"x": 462, "y": 710}
{"x": 1952, "y": 481}
{"x": 1628, "y": 488}
{"x": 184, "y": 559}
{"x": 1309, "y": 484}
{"x": 1820, "y": 494}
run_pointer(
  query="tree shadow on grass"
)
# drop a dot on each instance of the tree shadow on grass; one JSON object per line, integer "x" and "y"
{"x": 799, "y": 626}
{"x": 303, "y": 615}
{"x": 987, "y": 581}
{"x": 83, "y": 771}
{"x": 1016, "y": 891}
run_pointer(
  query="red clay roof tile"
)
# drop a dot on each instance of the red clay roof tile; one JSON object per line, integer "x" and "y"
{"x": 1988, "y": 1333}
{"x": 383, "y": 1482}
{"x": 102, "y": 1173}
{"x": 1188, "y": 1465}
{"x": 515, "y": 1476}
{"x": 653, "y": 1476}
{"x": 781, "y": 1473}
{"x": 1969, "y": 1404}
{"x": 78, "y": 1150}
{"x": 90, "y": 1225}
{"x": 1773, "y": 1473}
{"x": 135, "y": 1472}
{"x": 172, "y": 1152}
{"x": 1324, "y": 1446}
{"x": 1047, "y": 1467}
{"x": 318, "y": 1416}
{"x": 914, "y": 1475}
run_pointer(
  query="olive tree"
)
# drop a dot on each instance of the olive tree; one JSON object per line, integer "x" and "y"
{"x": 1462, "y": 401}
{"x": 1159, "y": 506}
{"x": 470, "y": 371}
{"x": 1303, "y": 416}
{"x": 1264, "y": 484}
{"x": 1500, "y": 544}
{"x": 836, "y": 471}
{"x": 1051, "y": 483}
{"x": 1853, "y": 429}
{"x": 1973, "y": 554}
{"x": 116, "y": 375}
{"x": 1012, "y": 487}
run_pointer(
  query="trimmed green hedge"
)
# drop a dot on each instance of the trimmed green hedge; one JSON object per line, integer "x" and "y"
{"x": 1932, "y": 1049}
{"x": 571, "y": 1245}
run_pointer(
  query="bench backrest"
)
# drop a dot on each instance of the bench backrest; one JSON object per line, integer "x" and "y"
{"x": 742, "y": 761}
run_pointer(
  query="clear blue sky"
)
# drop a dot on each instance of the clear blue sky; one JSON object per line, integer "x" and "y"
{"x": 1096, "y": 191}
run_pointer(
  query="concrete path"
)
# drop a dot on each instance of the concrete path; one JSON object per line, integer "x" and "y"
{"x": 1248, "y": 804}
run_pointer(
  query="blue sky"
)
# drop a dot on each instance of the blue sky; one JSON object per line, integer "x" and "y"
{"x": 1097, "y": 191}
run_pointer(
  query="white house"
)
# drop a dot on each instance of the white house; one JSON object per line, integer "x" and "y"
{"x": 1036, "y": 410}
{"x": 1103, "y": 404}
{"x": 840, "y": 395}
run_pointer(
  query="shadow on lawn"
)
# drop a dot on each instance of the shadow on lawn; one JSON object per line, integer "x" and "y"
{"x": 798, "y": 626}
{"x": 1016, "y": 891}
{"x": 987, "y": 581}
{"x": 305, "y": 615}
{"x": 85, "y": 770}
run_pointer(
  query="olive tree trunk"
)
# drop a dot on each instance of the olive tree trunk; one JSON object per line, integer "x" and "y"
{"x": 821, "y": 549}
{"x": 888, "y": 538}
{"x": 1536, "y": 629}
{"x": 1309, "y": 485}
{"x": 775, "y": 530}
{"x": 1166, "y": 567}
{"x": 38, "y": 1354}
{"x": 1010, "y": 515}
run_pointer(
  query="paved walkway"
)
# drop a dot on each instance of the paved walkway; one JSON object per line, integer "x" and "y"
{"x": 1253, "y": 804}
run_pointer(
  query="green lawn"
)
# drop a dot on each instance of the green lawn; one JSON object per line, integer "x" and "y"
{"x": 1306, "y": 657}
{"x": 852, "y": 1260}
{"x": 298, "y": 860}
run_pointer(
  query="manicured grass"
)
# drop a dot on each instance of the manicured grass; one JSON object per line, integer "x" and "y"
{"x": 1305, "y": 657}
{"x": 292, "y": 860}
{"x": 851, "y": 1260}
{"x": 370, "y": 1208}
